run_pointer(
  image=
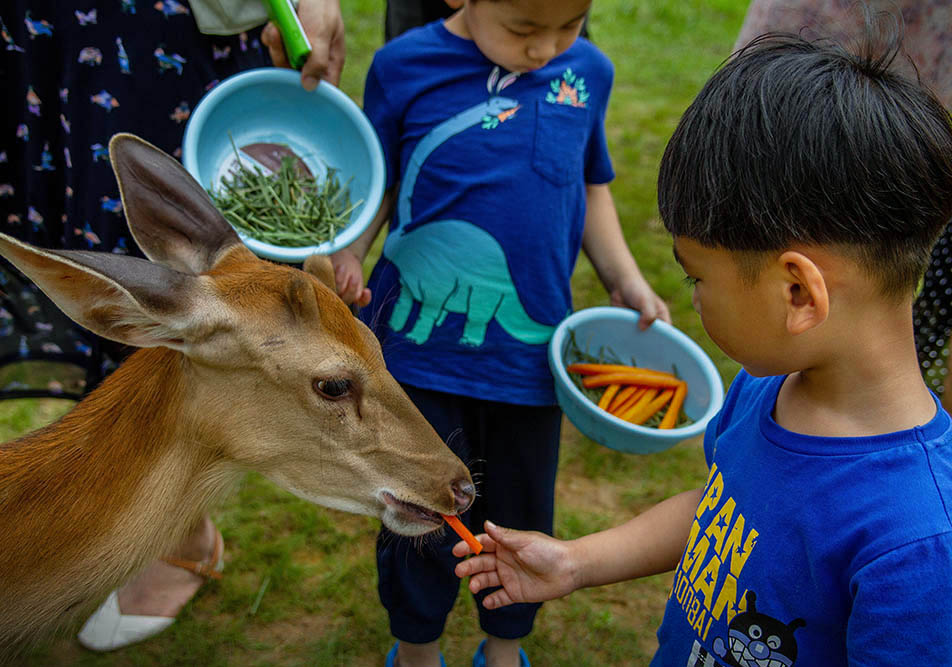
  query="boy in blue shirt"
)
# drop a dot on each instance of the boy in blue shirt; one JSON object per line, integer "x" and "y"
{"x": 804, "y": 188}
{"x": 492, "y": 125}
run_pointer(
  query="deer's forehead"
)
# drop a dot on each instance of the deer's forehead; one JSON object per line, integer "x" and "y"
{"x": 268, "y": 298}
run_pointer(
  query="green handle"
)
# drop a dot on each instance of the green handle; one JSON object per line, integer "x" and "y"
{"x": 296, "y": 44}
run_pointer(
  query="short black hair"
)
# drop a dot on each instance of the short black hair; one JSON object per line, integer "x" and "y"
{"x": 795, "y": 141}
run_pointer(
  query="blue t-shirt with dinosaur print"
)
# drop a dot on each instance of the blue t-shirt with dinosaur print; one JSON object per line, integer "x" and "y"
{"x": 491, "y": 169}
{"x": 810, "y": 551}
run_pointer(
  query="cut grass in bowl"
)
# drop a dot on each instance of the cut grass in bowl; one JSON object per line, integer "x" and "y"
{"x": 323, "y": 128}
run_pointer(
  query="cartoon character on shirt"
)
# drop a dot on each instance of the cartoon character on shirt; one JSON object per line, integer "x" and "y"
{"x": 755, "y": 639}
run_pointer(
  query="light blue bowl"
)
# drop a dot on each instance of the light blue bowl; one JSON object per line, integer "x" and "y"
{"x": 325, "y": 127}
{"x": 661, "y": 346}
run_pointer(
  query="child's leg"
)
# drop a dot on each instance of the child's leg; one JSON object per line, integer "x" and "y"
{"x": 416, "y": 583}
{"x": 518, "y": 455}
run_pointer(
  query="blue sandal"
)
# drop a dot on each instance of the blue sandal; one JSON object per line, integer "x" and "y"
{"x": 392, "y": 657}
{"x": 479, "y": 658}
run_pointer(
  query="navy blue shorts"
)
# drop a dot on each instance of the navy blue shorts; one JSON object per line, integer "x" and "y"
{"x": 513, "y": 453}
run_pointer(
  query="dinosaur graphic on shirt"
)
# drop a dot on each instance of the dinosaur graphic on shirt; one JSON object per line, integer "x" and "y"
{"x": 431, "y": 275}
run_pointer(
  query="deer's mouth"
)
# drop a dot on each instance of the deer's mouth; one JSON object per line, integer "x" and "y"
{"x": 407, "y": 512}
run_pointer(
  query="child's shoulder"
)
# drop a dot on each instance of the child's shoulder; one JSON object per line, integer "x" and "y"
{"x": 587, "y": 51}
{"x": 428, "y": 45}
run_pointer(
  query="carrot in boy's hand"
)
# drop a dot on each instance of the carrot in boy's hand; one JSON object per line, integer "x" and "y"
{"x": 463, "y": 532}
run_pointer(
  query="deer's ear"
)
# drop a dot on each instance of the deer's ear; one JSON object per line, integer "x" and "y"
{"x": 122, "y": 298}
{"x": 170, "y": 216}
{"x": 320, "y": 267}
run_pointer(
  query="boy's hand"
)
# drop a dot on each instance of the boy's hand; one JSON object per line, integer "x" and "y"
{"x": 349, "y": 278}
{"x": 528, "y": 566}
{"x": 636, "y": 293}
{"x": 324, "y": 27}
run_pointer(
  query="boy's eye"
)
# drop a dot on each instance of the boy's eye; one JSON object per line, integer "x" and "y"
{"x": 690, "y": 281}
{"x": 519, "y": 34}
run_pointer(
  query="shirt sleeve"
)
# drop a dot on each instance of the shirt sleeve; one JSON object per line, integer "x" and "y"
{"x": 385, "y": 119}
{"x": 598, "y": 161}
{"x": 902, "y": 607}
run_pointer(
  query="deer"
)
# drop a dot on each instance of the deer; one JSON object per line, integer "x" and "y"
{"x": 242, "y": 365}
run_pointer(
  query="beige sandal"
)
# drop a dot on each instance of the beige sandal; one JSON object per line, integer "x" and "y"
{"x": 108, "y": 628}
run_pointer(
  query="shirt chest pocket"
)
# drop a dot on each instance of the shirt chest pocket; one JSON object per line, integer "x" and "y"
{"x": 558, "y": 149}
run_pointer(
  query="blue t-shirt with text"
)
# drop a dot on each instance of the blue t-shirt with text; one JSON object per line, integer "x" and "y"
{"x": 814, "y": 551}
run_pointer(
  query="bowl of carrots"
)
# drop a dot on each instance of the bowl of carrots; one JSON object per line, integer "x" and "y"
{"x": 634, "y": 391}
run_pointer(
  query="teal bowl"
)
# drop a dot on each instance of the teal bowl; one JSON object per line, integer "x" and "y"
{"x": 662, "y": 347}
{"x": 324, "y": 127}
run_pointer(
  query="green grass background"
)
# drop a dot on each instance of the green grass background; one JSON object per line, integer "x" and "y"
{"x": 300, "y": 581}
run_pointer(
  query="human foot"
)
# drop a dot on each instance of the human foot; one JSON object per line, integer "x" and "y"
{"x": 163, "y": 588}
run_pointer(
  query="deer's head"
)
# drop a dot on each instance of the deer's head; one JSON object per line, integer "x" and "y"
{"x": 276, "y": 373}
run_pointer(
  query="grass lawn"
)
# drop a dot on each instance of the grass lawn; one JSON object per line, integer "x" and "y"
{"x": 299, "y": 584}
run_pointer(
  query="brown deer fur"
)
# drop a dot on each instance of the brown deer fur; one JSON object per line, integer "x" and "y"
{"x": 237, "y": 356}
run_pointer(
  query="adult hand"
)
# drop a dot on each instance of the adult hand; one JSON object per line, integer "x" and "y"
{"x": 637, "y": 293}
{"x": 525, "y": 566}
{"x": 324, "y": 27}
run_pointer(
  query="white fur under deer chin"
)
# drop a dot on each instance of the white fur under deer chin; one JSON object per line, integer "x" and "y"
{"x": 392, "y": 512}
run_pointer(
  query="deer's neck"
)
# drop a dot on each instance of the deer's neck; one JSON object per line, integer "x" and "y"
{"x": 116, "y": 482}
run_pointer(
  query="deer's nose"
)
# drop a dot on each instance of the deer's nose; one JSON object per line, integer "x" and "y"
{"x": 464, "y": 492}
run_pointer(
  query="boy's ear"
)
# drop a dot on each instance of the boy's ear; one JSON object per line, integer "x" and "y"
{"x": 805, "y": 292}
{"x": 454, "y": 4}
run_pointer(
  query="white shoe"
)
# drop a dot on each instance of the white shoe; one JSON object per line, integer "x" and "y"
{"x": 108, "y": 628}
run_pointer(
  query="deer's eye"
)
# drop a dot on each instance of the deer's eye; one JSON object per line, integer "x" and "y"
{"x": 332, "y": 388}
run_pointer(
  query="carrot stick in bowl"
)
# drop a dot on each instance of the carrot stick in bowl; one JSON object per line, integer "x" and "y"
{"x": 652, "y": 407}
{"x": 599, "y": 369}
{"x": 607, "y": 395}
{"x": 463, "y": 532}
{"x": 636, "y": 377}
{"x": 671, "y": 416}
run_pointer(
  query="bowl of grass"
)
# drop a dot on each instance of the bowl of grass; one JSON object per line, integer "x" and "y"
{"x": 295, "y": 172}
{"x": 607, "y": 341}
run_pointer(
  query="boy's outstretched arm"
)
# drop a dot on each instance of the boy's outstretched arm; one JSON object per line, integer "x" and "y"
{"x": 605, "y": 245}
{"x": 348, "y": 263}
{"x": 533, "y": 567}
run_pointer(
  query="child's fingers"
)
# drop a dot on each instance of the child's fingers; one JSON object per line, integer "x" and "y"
{"x": 364, "y": 298}
{"x": 484, "y": 580}
{"x": 461, "y": 548}
{"x": 484, "y": 562}
{"x": 497, "y": 599}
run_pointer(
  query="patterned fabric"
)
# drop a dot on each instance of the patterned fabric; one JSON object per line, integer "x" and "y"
{"x": 73, "y": 78}
{"x": 927, "y": 28}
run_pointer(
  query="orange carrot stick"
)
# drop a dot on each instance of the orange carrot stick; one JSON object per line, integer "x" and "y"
{"x": 621, "y": 397}
{"x": 599, "y": 369}
{"x": 646, "y": 398}
{"x": 463, "y": 532}
{"x": 671, "y": 416}
{"x": 630, "y": 401}
{"x": 607, "y": 395}
{"x": 630, "y": 377}
{"x": 652, "y": 407}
